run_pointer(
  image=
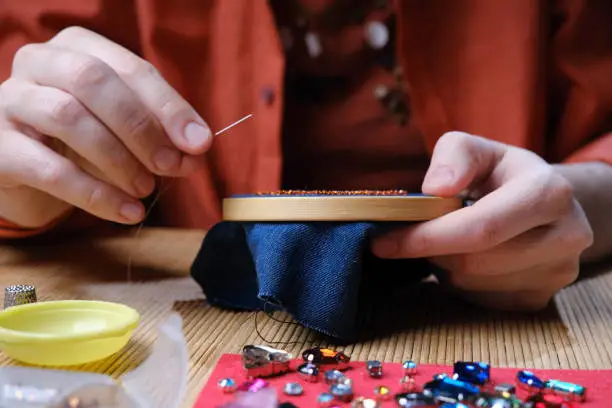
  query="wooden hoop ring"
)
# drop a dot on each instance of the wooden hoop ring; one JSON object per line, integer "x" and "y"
{"x": 331, "y": 208}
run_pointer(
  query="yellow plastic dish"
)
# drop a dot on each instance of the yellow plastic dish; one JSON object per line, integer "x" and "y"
{"x": 65, "y": 332}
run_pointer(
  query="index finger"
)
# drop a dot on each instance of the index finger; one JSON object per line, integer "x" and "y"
{"x": 185, "y": 128}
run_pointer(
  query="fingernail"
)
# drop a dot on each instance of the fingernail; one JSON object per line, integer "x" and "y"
{"x": 166, "y": 159}
{"x": 196, "y": 134}
{"x": 144, "y": 184}
{"x": 385, "y": 247}
{"x": 131, "y": 212}
{"x": 440, "y": 176}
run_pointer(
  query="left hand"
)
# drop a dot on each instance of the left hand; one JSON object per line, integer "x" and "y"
{"x": 517, "y": 245}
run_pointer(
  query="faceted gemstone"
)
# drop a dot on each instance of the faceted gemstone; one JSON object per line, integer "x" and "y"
{"x": 408, "y": 384}
{"x": 505, "y": 388}
{"x": 361, "y": 402}
{"x": 415, "y": 400}
{"x": 342, "y": 392}
{"x": 382, "y": 393}
{"x": 451, "y": 390}
{"x": 502, "y": 403}
{"x": 325, "y": 400}
{"x": 309, "y": 372}
{"x": 473, "y": 372}
{"x": 346, "y": 381}
{"x": 486, "y": 400}
{"x": 227, "y": 385}
{"x": 293, "y": 389}
{"x": 410, "y": 367}
{"x": 529, "y": 381}
{"x": 375, "y": 369}
{"x": 492, "y": 401}
{"x": 263, "y": 361}
{"x": 327, "y": 357}
{"x": 333, "y": 376}
{"x": 571, "y": 391}
{"x": 454, "y": 405}
{"x": 253, "y": 385}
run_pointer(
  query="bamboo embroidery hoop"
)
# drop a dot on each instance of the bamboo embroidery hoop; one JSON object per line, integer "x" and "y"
{"x": 353, "y": 206}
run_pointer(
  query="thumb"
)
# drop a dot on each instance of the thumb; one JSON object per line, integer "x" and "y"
{"x": 459, "y": 161}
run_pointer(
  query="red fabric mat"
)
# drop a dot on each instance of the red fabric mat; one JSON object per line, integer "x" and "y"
{"x": 598, "y": 382}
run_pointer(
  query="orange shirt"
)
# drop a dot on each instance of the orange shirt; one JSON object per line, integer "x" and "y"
{"x": 337, "y": 134}
{"x": 528, "y": 73}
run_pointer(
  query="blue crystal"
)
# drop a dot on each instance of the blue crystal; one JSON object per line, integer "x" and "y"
{"x": 454, "y": 405}
{"x": 570, "y": 390}
{"x": 529, "y": 380}
{"x": 451, "y": 390}
{"x": 472, "y": 372}
{"x": 342, "y": 392}
{"x": 410, "y": 367}
{"x": 325, "y": 399}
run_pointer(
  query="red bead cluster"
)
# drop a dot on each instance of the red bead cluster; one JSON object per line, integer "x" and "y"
{"x": 335, "y": 193}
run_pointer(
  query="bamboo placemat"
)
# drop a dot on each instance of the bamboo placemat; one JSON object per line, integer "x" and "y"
{"x": 576, "y": 332}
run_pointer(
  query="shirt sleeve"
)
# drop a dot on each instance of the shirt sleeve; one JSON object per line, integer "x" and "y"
{"x": 70, "y": 222}
{"x": 12, "y": 231}
{"x": 599, "y": 150}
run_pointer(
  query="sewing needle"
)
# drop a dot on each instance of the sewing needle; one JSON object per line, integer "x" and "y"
{"x": 233, "y": 124}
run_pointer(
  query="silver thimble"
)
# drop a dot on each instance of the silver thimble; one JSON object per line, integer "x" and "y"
{"x": 19, "y": 295}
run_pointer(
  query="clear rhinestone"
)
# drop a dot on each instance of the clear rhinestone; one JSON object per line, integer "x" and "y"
{"x": 362, "y": 402}
{"x": 262, "y": 361}
{"x": 342, "y": 392}
{"x": 309, "y": 372}
{"x": 325, "y": 400}
{"x": 334, "y": 377}
{"x": 293, "y": 389}
{"x": 227, "y": 385}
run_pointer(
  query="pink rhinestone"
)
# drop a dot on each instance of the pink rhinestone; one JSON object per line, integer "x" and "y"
{"x": 253, "y": 385}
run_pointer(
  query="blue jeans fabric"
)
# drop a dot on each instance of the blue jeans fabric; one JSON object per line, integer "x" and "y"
{"x": 321, "y": 273}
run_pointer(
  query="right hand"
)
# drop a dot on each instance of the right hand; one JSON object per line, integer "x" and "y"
{"x": 84, "y": 123}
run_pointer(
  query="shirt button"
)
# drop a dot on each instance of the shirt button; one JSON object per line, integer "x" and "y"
{"x": 268, "y": 95}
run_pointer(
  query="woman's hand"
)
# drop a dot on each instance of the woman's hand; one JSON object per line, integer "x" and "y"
{"x": 85, "y": 123}
{"x": 517, "y": 245}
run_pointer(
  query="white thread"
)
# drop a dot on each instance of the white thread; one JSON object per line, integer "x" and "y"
{"x": 161, "y": 192}
{"x": 233, "y": 124}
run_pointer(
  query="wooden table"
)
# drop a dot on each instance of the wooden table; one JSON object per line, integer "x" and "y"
{"x": 574, "y": 333}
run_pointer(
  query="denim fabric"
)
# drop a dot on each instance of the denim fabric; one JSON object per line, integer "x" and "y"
{"x": 321, "y": 273}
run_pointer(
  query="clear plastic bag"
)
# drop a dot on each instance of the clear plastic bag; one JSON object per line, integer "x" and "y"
{"x": 159, "y": 382}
